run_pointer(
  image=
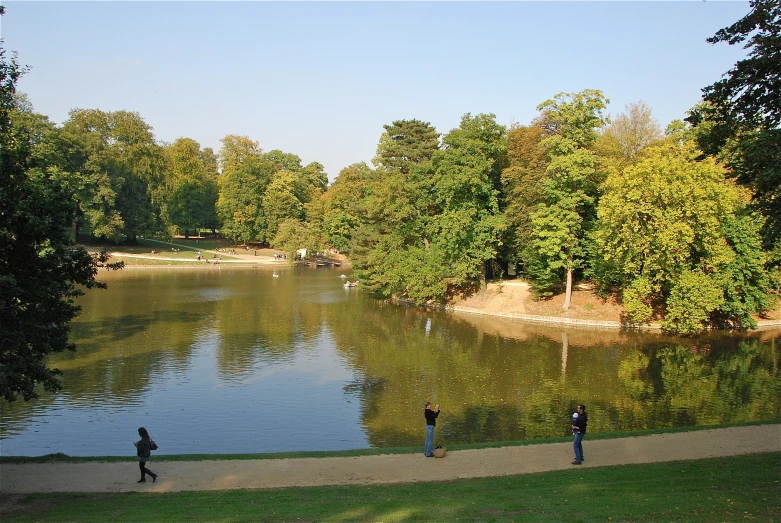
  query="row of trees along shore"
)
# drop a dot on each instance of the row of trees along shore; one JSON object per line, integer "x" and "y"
{"x": 682, "y": 224}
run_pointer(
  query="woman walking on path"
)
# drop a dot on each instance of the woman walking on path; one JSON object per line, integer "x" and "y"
{"x": 144, "y": 447}
{"x": 431, "y": 421}
{"x": 579, "y": 428}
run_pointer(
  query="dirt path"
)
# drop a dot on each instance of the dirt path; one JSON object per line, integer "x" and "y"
{"x": 401, "y": 468}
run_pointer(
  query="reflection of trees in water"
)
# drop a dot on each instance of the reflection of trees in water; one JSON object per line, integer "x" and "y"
{"x": 109, "y": 330}
{"x": 496, "y": 380}
{"x": 486, "y": 384}
{"x": 701, "y": 384}
{"x": 264, "y": 324}
{"x": 492, "y": 388}
{"x": 154, "y": 322}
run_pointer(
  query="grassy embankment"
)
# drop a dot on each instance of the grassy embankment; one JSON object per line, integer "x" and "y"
{"x": 742, "y": 488}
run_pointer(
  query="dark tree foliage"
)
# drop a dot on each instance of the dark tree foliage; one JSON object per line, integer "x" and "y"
{"x": 406, "y": 143}
{"x": 749, "y": 93}
{"x": 40, "y": 267}
{"x": 741, "y": 117}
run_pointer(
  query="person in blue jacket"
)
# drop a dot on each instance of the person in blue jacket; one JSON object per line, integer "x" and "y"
{"x": 579, "y": 428}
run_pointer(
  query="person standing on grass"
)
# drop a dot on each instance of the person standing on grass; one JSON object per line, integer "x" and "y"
{"x": 579, "y": 428}
{"x": 144, "y": 448}
{"x": 431, "y": 421}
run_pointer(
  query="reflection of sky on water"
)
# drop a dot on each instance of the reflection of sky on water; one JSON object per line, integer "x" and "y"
{"x": 291, "y": 405}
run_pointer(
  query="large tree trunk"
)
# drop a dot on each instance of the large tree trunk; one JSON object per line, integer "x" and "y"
{"x": 568, "y": 295}
{"x": 483, "y": 284}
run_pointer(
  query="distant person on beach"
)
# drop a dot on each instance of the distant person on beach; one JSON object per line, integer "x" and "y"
{"x": 144, "y": 448}
{"x": 579, "y": 427}
{"x": 431, "y": 422}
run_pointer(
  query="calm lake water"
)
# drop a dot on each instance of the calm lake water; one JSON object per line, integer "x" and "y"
{"x": 232, "y": 360}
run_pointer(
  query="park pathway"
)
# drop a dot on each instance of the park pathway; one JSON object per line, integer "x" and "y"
{"x": 176, "y": 476}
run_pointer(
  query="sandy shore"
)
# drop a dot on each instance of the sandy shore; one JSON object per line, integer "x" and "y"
{"x": 176, "y": 476}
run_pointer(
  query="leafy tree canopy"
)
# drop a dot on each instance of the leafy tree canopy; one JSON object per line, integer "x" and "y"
{"x": 344, "y": 205}
{"x": 680, "y": 241}
{"x": 406, "y": 142}
{"x": 246, "y": 174}
{"x": 569, "y": 190}
{"x": 521, "y": 183}
{"x": 41, "y": 270}
{"x": 740, "y": 119}
{"x": 191, "y": 186}
{"x": 121, "y": 168}
{"x": 629, "y": 134}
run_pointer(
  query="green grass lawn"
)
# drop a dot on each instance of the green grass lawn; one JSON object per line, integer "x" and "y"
{"x": 742, "y": 488}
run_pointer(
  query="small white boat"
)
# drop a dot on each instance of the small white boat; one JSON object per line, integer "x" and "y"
{"x": 342, "y": 275}
{"x": 350, "y": 284}
{"x": 275, "y": 275}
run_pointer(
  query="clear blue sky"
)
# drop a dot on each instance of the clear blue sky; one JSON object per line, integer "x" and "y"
{"x": 321, "y": 79}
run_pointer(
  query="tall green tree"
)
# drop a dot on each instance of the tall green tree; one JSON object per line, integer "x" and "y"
{"x": 433, "y": 224}
{"x": 561, "y": 222}
{"x": 406, "y": 143}
{"x": 315, "y": 179}
{"x": 740, "y": 119}
{"x": 293, "y": 234}
{"x": 283, "y": 161}
{"x": 522, "y": 188}
{"x": 191, "y": 193}
{"x": 121, "y": 165}
{"x": 466, "y": 224}
{"x": 211, "y": 164}
{"x": 395, "y": 210}
{"x": 343, "y": 205}
{"x": 41, "y": 270}
{"x": 280, "y": 202}
{"x": 681, "y": 241}
{"x": 246, "y": 174}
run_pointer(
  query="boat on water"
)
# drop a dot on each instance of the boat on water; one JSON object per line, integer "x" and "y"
{"x": 349, "y": 284}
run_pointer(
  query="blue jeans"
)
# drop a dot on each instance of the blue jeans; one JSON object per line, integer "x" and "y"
{"x": 578, "y": 446}
{"x": 429, "y": 448}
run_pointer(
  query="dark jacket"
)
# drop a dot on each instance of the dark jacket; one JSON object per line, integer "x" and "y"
{"x": 144, "y": 447}
{"x": 431, "y": 416}
{"x": 581, "y": 423}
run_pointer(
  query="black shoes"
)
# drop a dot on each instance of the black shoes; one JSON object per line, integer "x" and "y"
{"x": 154, "y": 478}
{"x": 142, "y": 480}
{"x": 576, "y": 463}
